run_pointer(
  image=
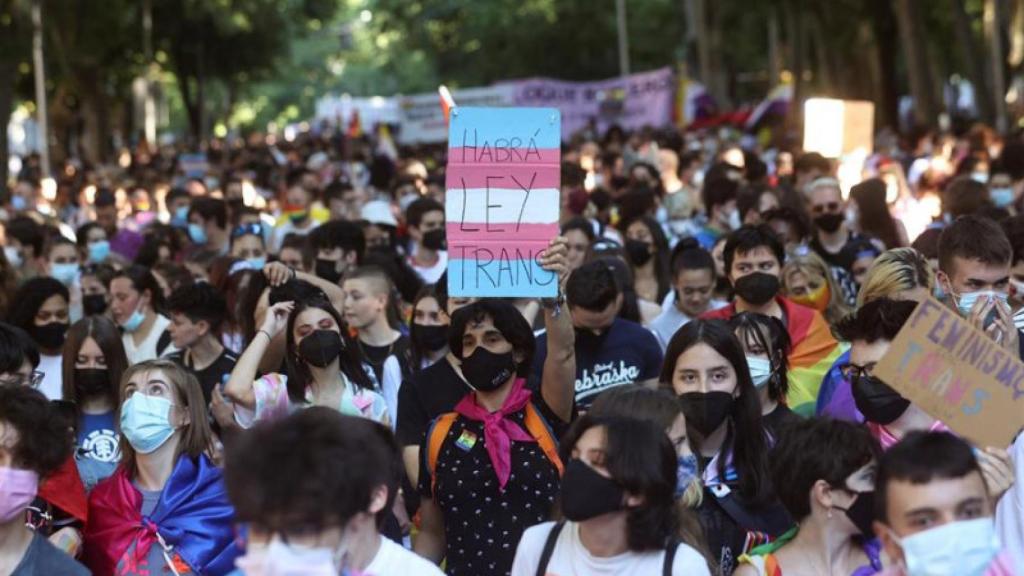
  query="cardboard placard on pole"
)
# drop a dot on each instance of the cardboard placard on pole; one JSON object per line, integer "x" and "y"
{"x": 957, "y": 374}
{"x": 503, "y": 198}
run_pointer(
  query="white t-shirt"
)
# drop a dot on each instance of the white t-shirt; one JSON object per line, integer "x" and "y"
{"x": 392, "y": 559}
{"x": 50, "y": 366}
{"x": 433, "y": 274}
{"x": 146, "y": 350}
{"x": 289, "y": 228}
{"x": 571, "y": 558}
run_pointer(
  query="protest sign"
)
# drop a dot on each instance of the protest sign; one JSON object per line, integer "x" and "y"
{"x": 957, "y": 374}
{"x": 423, "y": 121}
{"x": 836, "y": 128}
{"x": 502, "y": 202}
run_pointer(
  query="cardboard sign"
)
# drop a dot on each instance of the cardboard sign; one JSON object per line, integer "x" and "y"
{"x": 503, "y": 197}
{"x": 957, "y": 374}
{"x": 836, "y": 128}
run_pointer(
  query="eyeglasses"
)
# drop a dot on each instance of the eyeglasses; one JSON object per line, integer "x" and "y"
{"x": 246, "y": 229}
{"x": 32, "y": 380}
{"x": 853, "y": 372}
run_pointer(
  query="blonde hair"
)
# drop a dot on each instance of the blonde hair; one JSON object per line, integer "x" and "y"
{"x": 895, "y": 270}
{"x": 196, "y": 437}
{"x": 812, "y": 266}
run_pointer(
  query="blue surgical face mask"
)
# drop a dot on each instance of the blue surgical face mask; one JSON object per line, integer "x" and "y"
{"x": 967, "y": 300}
{"x": 256, "y": 263}
{"x": 760, "y": 370}
{"x": 64, "y": 273}
{"x": 98, "y": 251}
{"x": 981, "y": 177}
{"x": 964, "y": 548}
{"x": 146, "y": 422}
{"x": 134, "y": 321}
{"x": 1001, "y": 197}
{"x": 938, "y": 292}
{"x": 197, "y": 233}
{"x": 686, "y": 471}
{"x": 180, "y": 217}
{"x": 18, "y": 203}
{"x": 13, "y": 256}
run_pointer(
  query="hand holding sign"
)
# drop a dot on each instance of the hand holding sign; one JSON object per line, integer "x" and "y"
{"x": 503, "y": 199}
{"x": 958, "y": 374}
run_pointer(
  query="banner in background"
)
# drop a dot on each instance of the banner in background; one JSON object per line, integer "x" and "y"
{"x": 422, "y": 118}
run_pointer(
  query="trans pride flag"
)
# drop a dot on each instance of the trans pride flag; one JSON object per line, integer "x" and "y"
{"x": 502, "y": 202}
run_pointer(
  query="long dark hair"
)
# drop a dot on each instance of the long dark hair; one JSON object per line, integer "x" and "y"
{"x": 30, "y": 298}
{"x": 768, "y": 333}
{"x": 640, "y": 458}
{"x": 746, "y": 437}
{"x": 351, "y": 361}
{"x": 874, "y": 217}
{"x": 108, "y": 338}
{"x": 661, "y": 254}
{"x": 416, "y": 354}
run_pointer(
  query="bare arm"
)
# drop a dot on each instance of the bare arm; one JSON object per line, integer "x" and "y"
{"x": 239, "y": 387}
{"x": 558, "y": 380}
{"x": 411, "y": 459}
{"x": 430, "y": 542}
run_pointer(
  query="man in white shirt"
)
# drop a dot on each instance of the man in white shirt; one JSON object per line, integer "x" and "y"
{"x": 339, "y": 475}
{"x": 425, "y": 220}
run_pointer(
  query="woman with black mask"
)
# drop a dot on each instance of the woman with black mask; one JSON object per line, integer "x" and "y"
{"x": 94, "y": 360}
{"x": 428, "y": 330}
{"x": 616, "y": 497}
{"x": 490, "y": 469}
{"x": 706, "y": 367}
{"x": 42, "y": 310}
{"x": 648, "y": 252}
{"x": 825, "y": 473}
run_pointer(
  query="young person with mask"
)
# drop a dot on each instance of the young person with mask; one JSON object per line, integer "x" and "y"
{"x": 610, "y": 351}
{"x": 831, "y": 232}
{"x": 616, "y": 496}
{"x": 693, "y": 284}
{"x": 314, "y": 489}
{"x": 824, "y": 474}
{"x": 295, "y": 215}
{"x": 135, "y": 299}
{"x": 337, "y": 246}
{"x": 719, "y": 196}
{"x": 247, "y": 243}
{"x": 197, "y": 313}
{"x": 648, "y": 252}
{"x": 62, "y": 261}
{"x": 93, "y": 246}
{"x": 808, "y": 281}
{"x": 94, "y": 361}
{"x": 165, "y": 510}
{"x": 490, "y": 468}
{"x": 425, "y": 221}
{"x": 428, "y": 331}
{"x": 368, "y": 297}
{"x": 766, "y": 344}
{"x": 33, "y": 445}
{"x": 705, "y": 366}
{"x": 42, "y": 311}
{"x": 933, "y": 512}
{"x": 753, "y": 260}
{"x": 95, "y": 296}
{"x": 208, "y": 224}
{"x": 974, "y": 271}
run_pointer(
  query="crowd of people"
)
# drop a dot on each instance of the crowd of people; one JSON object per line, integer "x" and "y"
{"x": 259, "y": 368}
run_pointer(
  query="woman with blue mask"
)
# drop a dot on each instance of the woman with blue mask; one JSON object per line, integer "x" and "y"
{"x": 93, "y": 244}
{"x": 166, "y": 509}
{"x": 765, "y": 344}
{"x": 248, "y": 244}
{"x": 135, "y": 298}
{"x": 42, "y": 311}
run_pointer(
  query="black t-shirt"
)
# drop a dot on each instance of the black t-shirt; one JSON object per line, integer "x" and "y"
{"x": 213, "y": 375}
{"x": 424, "y": 396}
{"x": 777, "y": 420}
{"x": 377, "y": 356}
{"x": 482, "y": 524}
{"x": 626, "y": 353}
{"x": 844, "y": 258}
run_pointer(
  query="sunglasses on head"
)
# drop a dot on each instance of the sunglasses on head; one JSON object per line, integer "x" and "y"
{"x": 246, "y": 229}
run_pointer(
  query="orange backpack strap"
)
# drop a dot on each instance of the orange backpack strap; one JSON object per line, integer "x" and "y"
{"x": 539, "y": 430}
{"x": 435, "y": 439}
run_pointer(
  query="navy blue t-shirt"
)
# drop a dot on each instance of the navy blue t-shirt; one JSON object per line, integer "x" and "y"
{"x": 626, "y": 353}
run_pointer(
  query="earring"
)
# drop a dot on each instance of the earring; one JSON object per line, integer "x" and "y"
{"x": 829, "y": 513}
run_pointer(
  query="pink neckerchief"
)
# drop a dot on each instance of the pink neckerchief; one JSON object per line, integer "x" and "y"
{"x": 888, "y": 440}
{"x": 499, "y": 431}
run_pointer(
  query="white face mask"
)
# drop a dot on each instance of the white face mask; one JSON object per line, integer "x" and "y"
{"x": 733, "y": 219}
{"x": 280, "y": 559}
{"x": 13, "y": 256}
{"x": 964, "y": 548}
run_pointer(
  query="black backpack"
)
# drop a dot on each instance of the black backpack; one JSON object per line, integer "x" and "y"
{"x": 549, "y": 549}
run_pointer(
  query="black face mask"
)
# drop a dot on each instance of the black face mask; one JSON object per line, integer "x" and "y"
{"x": 320, "y": 347}
{"x": 92, "y": 381}
{"x": 486, "y": 371}
{"x": 877, "y": 401}
{"x": 328, "y": 270}
{"x": 434, "y": 240}
{"x": 829, "y": 223}
{"x": 639, "y": 252}
{"x": 862, "y": 512}
{"x": 586, "y": 494}
{"x": 757, "y": 288}
{"x": 50, "y": 336}
{"x": 94, "y": 304}
{"x": 430, "y": 338}
{"x": 705, "y": 411}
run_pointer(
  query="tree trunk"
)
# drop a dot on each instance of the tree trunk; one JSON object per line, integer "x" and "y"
{"x": 8, "y": 74}
{"x": 973, "y": 62}
{"x": 915, "y": 55}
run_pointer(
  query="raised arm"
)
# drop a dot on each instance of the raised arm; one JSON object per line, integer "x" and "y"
{"x": 239, "y": 387}
{"x": 558, "y": 381}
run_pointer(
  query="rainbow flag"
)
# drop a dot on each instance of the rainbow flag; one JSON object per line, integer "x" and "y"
{"x": 502, "y": 203}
